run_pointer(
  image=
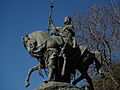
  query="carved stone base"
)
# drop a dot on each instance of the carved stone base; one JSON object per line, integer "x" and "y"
{"x": 57, "y": 86}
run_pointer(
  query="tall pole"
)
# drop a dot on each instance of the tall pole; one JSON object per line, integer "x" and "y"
{"x": 50, "y": 22}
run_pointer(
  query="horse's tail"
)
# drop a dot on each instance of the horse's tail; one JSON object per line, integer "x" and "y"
{"x": 98, "y": 61}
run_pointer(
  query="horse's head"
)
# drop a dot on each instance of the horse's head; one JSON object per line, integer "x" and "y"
{"x": 29, "y": 43}
{"x": 34, "y": 41}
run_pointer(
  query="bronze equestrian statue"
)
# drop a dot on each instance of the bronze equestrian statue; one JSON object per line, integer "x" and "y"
{"x": 79, "y": 58}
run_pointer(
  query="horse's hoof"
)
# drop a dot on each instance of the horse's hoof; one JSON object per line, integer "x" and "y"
{"x": 102, "y": 75}
{"x": 73, "y": 83}
{"x": 27, "y": 84}
{"x": 46, "y": 81}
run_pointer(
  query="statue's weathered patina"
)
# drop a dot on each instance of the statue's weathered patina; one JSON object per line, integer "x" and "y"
{"x": 66, "y": 31}
{"x": 59, "y": 53}
{"x": 47, "y": 50}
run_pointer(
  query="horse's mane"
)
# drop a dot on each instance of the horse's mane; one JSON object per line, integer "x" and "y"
{"x": 39, "y": 36}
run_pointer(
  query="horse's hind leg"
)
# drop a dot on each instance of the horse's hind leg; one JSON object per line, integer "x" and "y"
{"x": 98, "y": 65}
{"x": 89, "y": 80}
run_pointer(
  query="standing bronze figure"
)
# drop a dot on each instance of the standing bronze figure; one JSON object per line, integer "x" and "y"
{"x": 46, "y": 49}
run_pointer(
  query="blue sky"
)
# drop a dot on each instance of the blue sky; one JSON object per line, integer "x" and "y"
{"x": 18, "y": 17}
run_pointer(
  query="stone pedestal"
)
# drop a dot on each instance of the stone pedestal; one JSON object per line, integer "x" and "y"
{"x": 57, "y": 86}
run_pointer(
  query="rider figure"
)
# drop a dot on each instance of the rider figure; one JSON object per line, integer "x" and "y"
{"x": 66, "y": 31}
{"x": 68, "y": 35}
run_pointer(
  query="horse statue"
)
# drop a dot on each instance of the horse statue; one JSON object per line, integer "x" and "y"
{"x": 47, "y": 49}
{"x": 81, "y": 58}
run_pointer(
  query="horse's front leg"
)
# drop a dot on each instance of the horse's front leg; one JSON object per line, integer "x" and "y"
{"x": 78, "y": 79}
{"x": 29, "y": 73}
